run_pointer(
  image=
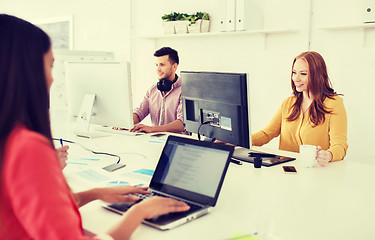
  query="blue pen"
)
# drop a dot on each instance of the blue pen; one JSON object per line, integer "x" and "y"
{"x": 61, "y": 142}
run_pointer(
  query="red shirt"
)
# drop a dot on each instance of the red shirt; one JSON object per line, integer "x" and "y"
{"x": 36, "y": 202}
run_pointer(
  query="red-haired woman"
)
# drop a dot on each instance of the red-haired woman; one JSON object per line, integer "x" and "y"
{"x": 315, "y": 115}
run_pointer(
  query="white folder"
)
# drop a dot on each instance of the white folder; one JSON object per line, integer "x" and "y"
{"x": 223, "y": 15}
{"x": 240, "y": 15}
{"x": 368, "y": 11}
{"x": 249, "y": 15}
{"x": 231, "y": 15}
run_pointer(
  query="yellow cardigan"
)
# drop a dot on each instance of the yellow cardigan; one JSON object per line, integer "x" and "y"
{"x": 331, "y": 135}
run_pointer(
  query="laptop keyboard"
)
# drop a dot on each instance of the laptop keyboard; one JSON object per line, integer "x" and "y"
{"x": 193, "y": 206}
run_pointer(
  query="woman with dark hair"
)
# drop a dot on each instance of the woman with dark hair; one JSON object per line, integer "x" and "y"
{"x": 315, "y": 115}
{"x": 35, "y": 200}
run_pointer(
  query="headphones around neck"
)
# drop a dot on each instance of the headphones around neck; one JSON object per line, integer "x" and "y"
{"x": 166, "y": 85}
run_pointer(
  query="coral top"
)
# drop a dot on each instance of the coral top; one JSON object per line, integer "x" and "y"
{"x": 36, "y": 202}
{"x": 330, "y": 135}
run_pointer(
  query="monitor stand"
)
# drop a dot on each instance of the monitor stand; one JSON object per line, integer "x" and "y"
{"x": 207, "y": 139}
{"x": 82, "y": 125}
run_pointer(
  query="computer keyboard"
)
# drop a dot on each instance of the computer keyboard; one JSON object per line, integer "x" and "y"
{"x": 118, "y": 131}
{"x": 122, "y": 207}
{"x": 193, "y": 206}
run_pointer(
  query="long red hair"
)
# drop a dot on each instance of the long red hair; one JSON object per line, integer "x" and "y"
{"x": 319, "y": 86}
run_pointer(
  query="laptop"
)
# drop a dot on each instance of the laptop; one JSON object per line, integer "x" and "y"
{"x": 188, "y": 170}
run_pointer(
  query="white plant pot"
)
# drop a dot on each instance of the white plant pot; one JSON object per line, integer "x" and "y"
{"x": 181, "y": 27}
{"x": 199, "y": 26}
{"x": 205, "y": 27}
{"x": 194, "y": 28}
{"x": 169, "y": 28}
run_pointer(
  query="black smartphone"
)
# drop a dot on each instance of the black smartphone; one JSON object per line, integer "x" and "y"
{"x": 289, "y": 169}
{"x": 114, "y": 167}
{"x": 158, "y": 135}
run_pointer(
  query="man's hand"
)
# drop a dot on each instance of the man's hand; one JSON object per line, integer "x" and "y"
{"x": 143, "y": 128}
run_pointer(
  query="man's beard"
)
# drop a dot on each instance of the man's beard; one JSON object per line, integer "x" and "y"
{"x": 166, "y": 77}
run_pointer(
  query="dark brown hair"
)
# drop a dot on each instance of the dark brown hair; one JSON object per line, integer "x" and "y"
{"x": 172, "y": 54}
{"x": 24, "y": 94}
{"x": 319, "y": 86}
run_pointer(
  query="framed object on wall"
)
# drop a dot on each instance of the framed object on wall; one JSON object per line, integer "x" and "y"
{"x": 60, "y": 30}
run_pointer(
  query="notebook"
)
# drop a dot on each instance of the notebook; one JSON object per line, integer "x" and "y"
{"x": 188, "y": 170}
{"x": 268, "y": 159}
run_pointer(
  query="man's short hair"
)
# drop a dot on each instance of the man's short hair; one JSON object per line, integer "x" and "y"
{"x": 172, "y": 54}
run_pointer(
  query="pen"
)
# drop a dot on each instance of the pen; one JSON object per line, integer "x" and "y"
{"x": 238, "y": 162}
{"x": 61, "y": 142}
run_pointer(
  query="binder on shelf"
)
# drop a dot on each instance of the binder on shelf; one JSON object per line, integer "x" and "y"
{"x": 222, "y": 22}
{"x": 241, "y": 12}
{"x": 368, "y": 11}
{"x": 248, "y": 15}
{"x": 231, "y": 15}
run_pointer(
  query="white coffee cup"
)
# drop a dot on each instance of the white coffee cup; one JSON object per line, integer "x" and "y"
{"x": 307, "y": 155}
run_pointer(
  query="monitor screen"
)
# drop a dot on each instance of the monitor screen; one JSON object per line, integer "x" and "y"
{"x": 190, "y": 167}
{"x": 110, "y": 83}
{"x": 215, "y": 105}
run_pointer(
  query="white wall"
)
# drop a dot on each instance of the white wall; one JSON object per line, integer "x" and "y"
{"x": 350, "y": 58}
{"x": 267, "y": 59}
{"x": 349, "y": 54}
{"x": 98, "y": 25}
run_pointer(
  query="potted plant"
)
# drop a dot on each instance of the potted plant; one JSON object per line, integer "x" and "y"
{"x": 199, "y": 22}
{"x": 168, "y": 23}
{"x": 178, "y": 20}
{"x": 181, "y": 23}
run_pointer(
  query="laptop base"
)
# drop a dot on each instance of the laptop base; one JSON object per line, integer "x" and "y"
{"x": 163, "y": 222}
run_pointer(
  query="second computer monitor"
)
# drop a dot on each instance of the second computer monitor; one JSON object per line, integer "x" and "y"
{"x": 110, "y": 83}
{"x": 215, "y": 105}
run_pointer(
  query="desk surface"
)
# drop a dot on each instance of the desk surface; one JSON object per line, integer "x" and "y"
{"x": 334, "y": 202}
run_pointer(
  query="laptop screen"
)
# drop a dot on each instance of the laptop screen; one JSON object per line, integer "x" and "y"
{"x": 192, "y": 166}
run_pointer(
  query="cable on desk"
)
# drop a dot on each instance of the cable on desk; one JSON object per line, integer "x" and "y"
{"x": 199, "y": 136}
{"x": 102, "y": 153}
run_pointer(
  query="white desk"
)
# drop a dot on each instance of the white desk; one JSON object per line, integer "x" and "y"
{"x": 334, "y": 202}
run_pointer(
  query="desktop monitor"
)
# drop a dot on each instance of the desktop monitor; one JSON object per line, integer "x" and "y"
{"x": 99, "y": 93}
{"x": 215, "y": 105}
{"x": 58, "y": 95}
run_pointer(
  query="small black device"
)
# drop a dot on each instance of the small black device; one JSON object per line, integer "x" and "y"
{"x": 114, "y": 167}
{"x": 289, "y": 169}
{"x": 258, "y": 162}
{"x": 235, "y": 161}
{"x": 166, "y": 85}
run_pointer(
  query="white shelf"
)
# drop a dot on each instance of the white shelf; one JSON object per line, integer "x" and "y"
{"x": 348, "y": 27}
{"x": 362, "y": 27}
{"x": 217, "y": 34}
